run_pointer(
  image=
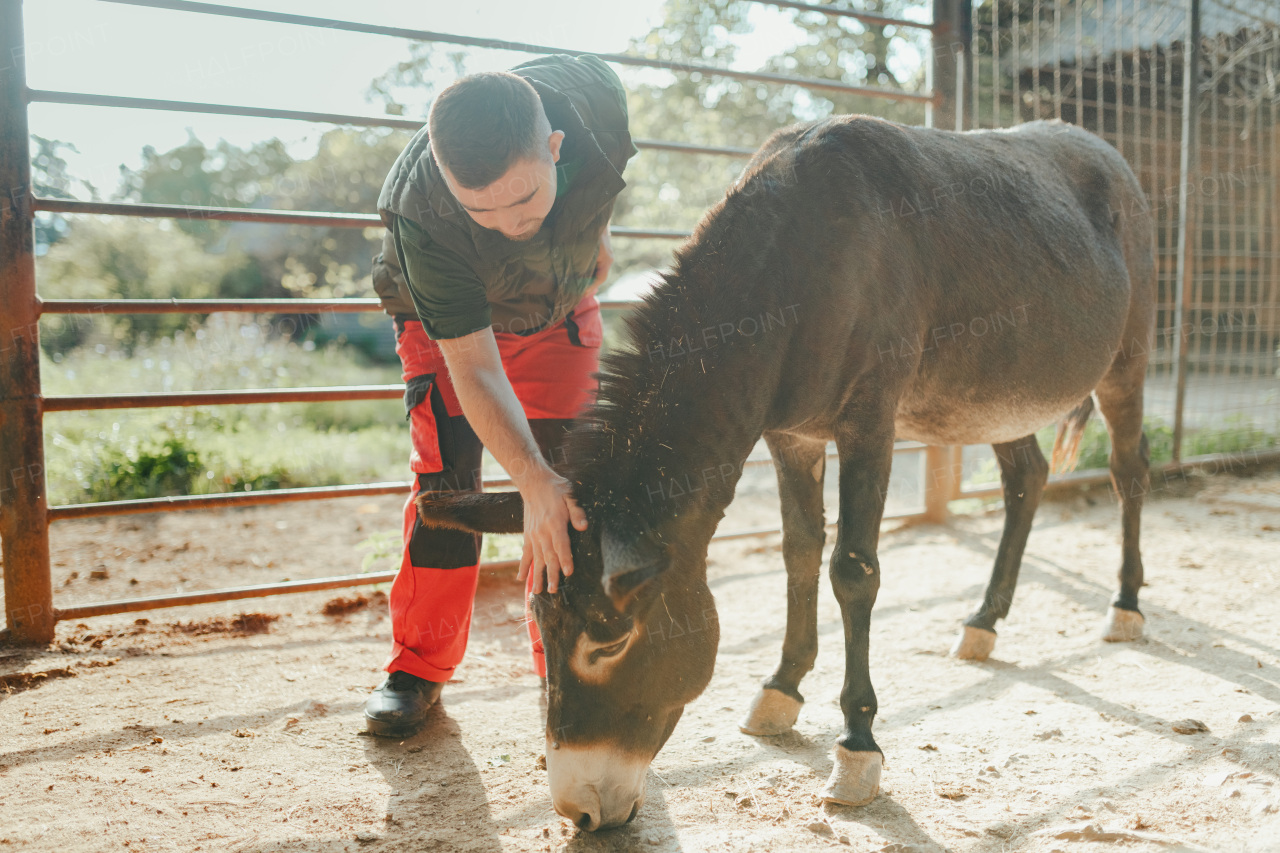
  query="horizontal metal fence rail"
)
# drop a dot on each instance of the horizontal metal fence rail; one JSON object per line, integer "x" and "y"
{"x": 209, "y": 306}
{"x": 133, "y": 605}
{"x": 44, "y": 96}
{"x": 1216, "y": 462}
{"x": 246, "y": 306}
{"x": 217, "y": 214}
{"x": 225, "y": 500}
{"x": 838, "y": 12}
{"x": 155, "y": 602}
{"x": 161, "y": 399}
{"x": 524, "y": 47}
{"x": 272, "y": 217}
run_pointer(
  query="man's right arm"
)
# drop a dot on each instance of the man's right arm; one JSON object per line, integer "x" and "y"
{"x": 494, "y": 412}
{"x": 451, "y": 302}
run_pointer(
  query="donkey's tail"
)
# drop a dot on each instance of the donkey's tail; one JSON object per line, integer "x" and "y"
{"x": 1066, "y": 444}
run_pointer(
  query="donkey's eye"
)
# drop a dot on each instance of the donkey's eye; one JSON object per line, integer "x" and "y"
{"x": 607, "y": 651}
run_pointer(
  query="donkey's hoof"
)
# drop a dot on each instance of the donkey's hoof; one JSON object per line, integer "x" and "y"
{"x": 772, "y": 712}
{"x": 855, "y": 780}
{"x": 974, "y": 644}
{"x": 1123, "y": 626}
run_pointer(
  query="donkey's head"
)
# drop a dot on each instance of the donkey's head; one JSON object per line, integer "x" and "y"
{"x": 630, "y": 639}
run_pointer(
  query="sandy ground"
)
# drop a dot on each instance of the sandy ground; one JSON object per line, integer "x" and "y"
{"x": 238, "y": 726}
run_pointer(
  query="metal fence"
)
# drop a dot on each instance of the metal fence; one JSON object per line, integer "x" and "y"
{"x": 1188, "y": 91}
{"x": 993, "y": 64}
{"x": 24, "y": 514}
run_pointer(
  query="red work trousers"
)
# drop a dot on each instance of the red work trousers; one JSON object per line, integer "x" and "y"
{"x": 433, "y": 593}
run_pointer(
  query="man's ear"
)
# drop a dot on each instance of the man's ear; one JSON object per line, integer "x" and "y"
{"x": 553, "y": 144}
{"x": 484, "y": 512}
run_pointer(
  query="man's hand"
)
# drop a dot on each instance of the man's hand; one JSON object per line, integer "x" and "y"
{"x": 604, "y": 262}
{"x": 499, "y": 420}
{"x": 549, "y": 508}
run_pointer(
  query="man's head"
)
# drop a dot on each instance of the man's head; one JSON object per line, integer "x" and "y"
{"x": 497, "y": 151}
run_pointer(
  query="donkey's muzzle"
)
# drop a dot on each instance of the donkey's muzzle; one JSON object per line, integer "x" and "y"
{"x": 596, "y": 787}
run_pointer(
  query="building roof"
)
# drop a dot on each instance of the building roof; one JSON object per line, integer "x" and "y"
{"x": 1110, "y": 27}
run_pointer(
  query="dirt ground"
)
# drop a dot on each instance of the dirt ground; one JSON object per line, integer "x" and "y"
{"x": 238, "y": 726}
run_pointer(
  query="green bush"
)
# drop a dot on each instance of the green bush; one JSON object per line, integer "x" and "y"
{"x": 126, "y": 258}
{"x": 156, "y": 466}
{"x": 114, "y": 454}
{"x": 1236, "y": 434}
{"x": 1095, "y": 444}
{"x": 96, "y": 456}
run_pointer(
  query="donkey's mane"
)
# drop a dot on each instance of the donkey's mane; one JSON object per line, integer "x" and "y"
{"x": 712, "y": 271}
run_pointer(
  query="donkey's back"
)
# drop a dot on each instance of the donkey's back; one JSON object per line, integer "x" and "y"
{"x": 987, "y": 279}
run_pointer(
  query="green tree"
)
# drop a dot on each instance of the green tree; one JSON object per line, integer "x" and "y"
{"x": 676, "y": 188}
{"x": 126, "y": 258}
{"x": 346, "y": 175}
{"x": 223, "y": 176}
{"x": 50, "y": 178}
{"x": 415, "y": 79}
{"x": 842, "y": 48}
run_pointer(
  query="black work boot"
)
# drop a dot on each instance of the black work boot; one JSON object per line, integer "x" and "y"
{"x": 399, "y": 706}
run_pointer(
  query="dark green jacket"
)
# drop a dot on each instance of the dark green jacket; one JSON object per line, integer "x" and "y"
{"x": 535, "y": 283}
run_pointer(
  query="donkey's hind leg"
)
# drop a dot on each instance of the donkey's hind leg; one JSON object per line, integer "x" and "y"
{"x": 800, "y": 463}
{"x": 1023, "y": 473}
{"x": 1120, "y": 400}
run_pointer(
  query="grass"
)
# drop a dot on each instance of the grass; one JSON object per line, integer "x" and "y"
{"x": 133, "y": 453}
{"x": 90, "y": 457}
{"x": 1236, "y": 433}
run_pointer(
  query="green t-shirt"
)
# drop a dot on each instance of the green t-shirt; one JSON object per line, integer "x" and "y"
{"x": 447, "y": 293}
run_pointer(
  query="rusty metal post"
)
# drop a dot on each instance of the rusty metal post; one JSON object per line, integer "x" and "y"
{"x": 949, "y": 53}
{"x": 941, "y": 482}
{"x": 1188, "y": 222}
{"x": 24, "y": 513}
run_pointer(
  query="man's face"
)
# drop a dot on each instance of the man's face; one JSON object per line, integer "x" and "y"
{"x": 518, "y": 202}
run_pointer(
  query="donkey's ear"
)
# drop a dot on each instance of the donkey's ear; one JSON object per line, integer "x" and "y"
{"x": 473, "y": 512}
{"x": 630, "y": 563}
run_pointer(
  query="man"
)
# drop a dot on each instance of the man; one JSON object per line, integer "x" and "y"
{"x": 497, "y": 217}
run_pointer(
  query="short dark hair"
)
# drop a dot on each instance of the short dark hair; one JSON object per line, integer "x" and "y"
{"x": 483, "y": 123}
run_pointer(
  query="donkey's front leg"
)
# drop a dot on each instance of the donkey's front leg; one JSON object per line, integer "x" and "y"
{"x": 866, "y": 453}
{"x": 800, "y": 463}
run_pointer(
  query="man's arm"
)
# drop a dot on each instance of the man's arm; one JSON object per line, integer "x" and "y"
{"x": 451, "y": 303}
{"x": 498, "y": 419}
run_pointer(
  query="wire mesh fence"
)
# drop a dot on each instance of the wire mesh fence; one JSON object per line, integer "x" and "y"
{"x": 1122, "y": 69}
{"x": 1234, "y": 315}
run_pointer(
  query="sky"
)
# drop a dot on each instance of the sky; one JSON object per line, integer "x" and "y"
{"x": 108, "y": 48}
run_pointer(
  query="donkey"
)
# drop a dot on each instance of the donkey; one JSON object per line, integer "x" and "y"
{"x": 862, "y": 281}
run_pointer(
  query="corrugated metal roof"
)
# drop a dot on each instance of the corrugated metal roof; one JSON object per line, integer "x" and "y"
{"x": 1108, "y": 27}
